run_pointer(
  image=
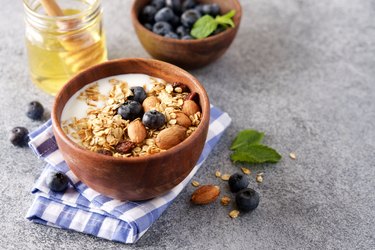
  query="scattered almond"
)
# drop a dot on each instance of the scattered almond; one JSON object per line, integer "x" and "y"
{"x": 170, "y": 137}
{"x": 259, "y": 178}
{"x": 246, "y": 170}
{"x": 225, "y": 177}
{"x": 225, "y": 200}
{"x": 292, "y": 156}
{"x": 183, "y": 120}
{"x": 190, "y": 107}
{"x": 234, "y": 214}
{"x": 137, "y": 131}
{"x": 218, "y": 174}
{"x": 195, "y": 183}
{"x": 205, "y": 194}
{"x": 150, "y": 103}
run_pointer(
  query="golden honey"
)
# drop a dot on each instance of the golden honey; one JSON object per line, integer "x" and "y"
{"x": 60, "y": 47}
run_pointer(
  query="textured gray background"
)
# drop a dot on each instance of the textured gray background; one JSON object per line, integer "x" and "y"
{"x": 302, "y": 71}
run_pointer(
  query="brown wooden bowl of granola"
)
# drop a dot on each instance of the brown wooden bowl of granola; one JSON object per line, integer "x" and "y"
{"x": 112, "y": 160}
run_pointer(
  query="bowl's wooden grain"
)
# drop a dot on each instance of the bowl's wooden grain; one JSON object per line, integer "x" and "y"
{"x": 187, "y": 53}
{"x": 137, "y": 178}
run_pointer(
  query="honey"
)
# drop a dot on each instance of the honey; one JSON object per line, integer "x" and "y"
{"x": 60, "y": 47}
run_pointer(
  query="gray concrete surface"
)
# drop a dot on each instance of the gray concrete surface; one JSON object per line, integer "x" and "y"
{"x": 301, "y": 71}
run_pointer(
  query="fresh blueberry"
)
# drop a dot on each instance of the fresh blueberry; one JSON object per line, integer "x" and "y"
{"x": 162, "y": 28}
{"x": 199, "y": 8}
{"x": 130, "y": 110}
{"x": 35, "y": 110}
{"x": 182, "y": 31}
{"x": 158, "y": 4}
{"x": 139, "y": 94}
{"x": 164, "y": 15}
{"x": 57, "y": 181}
{"x": 175, "y": 21}
{"x": 175, "y": 5}
{"x": 189, "y": 17}
{"x": 172, "y": 35}
{"x": 187, "y": 37}
{"x": 148, "y": 14}
{"x": 237, "y": 182}
{"x": 215, "y": 9}
{"x": 188, "y": 4}
{"x": 247, "y": 199}
{"x": 148, "y": 26}
{"x": 19, "y": 136}
{"x": 206, "y": 9}
{"x": 153, "y": 119}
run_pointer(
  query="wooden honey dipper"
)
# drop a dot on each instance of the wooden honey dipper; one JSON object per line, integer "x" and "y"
{"x": 80, "y": 49}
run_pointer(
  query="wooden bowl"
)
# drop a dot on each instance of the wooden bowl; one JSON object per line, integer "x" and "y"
{"x": 187, "y": 53}
{"x": 136, "y": 178}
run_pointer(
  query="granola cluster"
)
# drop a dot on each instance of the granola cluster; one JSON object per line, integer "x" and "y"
{"x": 104, "y": 131}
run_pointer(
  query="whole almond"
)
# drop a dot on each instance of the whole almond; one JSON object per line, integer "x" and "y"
{"x": 183, "y": 120}
{"x": 205, "y": 194}
{"x": 150, "y": 103}
{"x": 190, "y": 107}
{"x": 170, "y": 137}
{"x": 137, "y": 131}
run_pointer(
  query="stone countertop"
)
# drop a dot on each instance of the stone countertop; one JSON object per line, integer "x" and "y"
{"x": 301, "y": 71}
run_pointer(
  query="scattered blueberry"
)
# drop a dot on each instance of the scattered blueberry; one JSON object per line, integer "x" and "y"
{"x": 188, "y": 4}
{"x": 158, "y": 4}
{"x": 130, "y": 110}
{"x": 175, "y": 5}
{"x": 162, "y": 28}
{"x": 35, "y": 110}
{"x": 164, "y": 15}
{"x": 153, "y": 119}
{"x": 189, "y": 17}
{"x": 182, "y": 31}
{"x": 57, "y": 181}
{"x": 171, "y": 35}
{"x": 19, "y": 136}
{"x": 187, "y": 37}
{"x": 237, "y": 182}
{"x": 148, "y": 26}
{"x": 247, "y": 199}
{"x": 139, "y": 94}
{"x": 148, "y": 14}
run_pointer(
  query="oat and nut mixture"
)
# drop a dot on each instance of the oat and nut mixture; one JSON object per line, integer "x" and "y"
{"x": 106, "y": 131}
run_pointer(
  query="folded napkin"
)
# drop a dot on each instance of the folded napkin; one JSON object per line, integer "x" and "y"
{"x": 84, "y": 210}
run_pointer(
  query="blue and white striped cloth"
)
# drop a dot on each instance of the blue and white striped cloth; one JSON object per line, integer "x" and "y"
{"x": 84, "y": 210}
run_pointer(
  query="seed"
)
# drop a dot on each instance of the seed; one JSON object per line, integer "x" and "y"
{"x": 259, "y": 178}
{"x": 195, "y": 183}
{"x": 246, "y": 170}
{"x": 225, "y": 200}
{"x": 225, "y": 177}
{"x": 218, "y": 174}
{"x": 234, "y": 214}
{"x": 292, "y": 156}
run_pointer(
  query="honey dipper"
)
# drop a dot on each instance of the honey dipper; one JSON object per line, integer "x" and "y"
{"x": 80, "y": 50}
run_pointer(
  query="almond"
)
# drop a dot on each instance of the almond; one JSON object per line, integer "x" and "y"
{"x": 183, "y": 120}
{"x": 190, "y": 107}
{"x": 205, "y": 194}
{"x": 150, "y": 102}
{"x": 137, "y": 131}
{"x": 170, "y": 137}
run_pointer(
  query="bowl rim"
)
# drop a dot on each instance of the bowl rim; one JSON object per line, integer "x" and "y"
{"x": 58, "y": 131}
{"x": 138, "y": 24}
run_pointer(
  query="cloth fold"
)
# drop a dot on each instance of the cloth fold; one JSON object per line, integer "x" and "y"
{"x": 82, "y": 209}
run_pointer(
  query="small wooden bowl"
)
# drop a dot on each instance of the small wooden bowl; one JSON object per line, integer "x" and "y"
{"x": 136, "y": 178}
{"x": 188, "y": 54}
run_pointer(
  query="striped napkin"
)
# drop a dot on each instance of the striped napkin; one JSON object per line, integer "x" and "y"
{"x": 84, "y": 210}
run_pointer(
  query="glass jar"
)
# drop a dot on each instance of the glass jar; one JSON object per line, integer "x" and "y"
{"x": 59, "y": 47}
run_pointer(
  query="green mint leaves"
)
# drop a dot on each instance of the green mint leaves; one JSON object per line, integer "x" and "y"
{"x": 247, "y": 148}
{"x": 206, "y": 25}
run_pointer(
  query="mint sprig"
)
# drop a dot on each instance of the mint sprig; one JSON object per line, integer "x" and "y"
{"x": 248, "y": 148}
{"x": 206, "y": 25}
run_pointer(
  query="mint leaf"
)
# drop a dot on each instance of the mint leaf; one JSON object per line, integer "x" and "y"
{"x": 255, "y": 154}
{"x": 245, "y": 137}
{"x": 203, "y": 27}
{"x": 226, "y": 19}
{"x": 230, "y": 14}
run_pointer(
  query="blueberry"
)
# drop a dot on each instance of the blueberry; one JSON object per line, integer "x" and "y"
{"x": 172, "y": 35}
{"x": 130, "y": 110}
{"x": 139, "y": 94}
{"x": 158, "y": 4}
{"x": 182, "y": 31}
{"x": 175, "y": 5}
{"x": 206, "y": 9}
{"x": 215, "y": 9}
{"x": 57, "y": 181}
{"x": 189, "y": 17}
{"x": 187, "y": 37}
{"x": 237, "y": 182}
{"x": 175, "y": 21}
{"x": 148, "y": 26}
{"x": 19, "y": 136}
{"x": 148, "y": 14}
{"x": 188, "y": 4}
{"x": 199, "y": 8}
{"x": 35, "y": 110}
{"x": 247, "y": 199}
{"x": 164, "y": 15}
{"x": 153, "y": 119}
{"x": 162, "y": 28}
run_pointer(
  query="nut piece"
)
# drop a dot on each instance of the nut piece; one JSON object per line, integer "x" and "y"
{"x": 246, "y": 170}
{"x": 190, "y": 107}
{"x": 183, "y": 120}
{"x": 217, "y": 174}
{"x": 125, "y": 147}
{"x": 259, "y": 178}
{"x": 234, "y": 214}
{"x": 225, "y": 177}
{"x": 137, "y": 131}
{"x": 195, "y": 183}
{"x": 205, "y": 194}
{"x": 170, "y": 137}
{"x": 292, "y": 156}
{"x": 225, "y": 200}
{"x": 150, "y": 103}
